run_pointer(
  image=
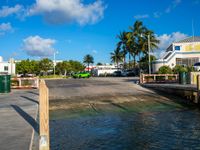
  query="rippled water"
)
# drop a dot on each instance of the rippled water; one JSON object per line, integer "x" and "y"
{"x": 169, "y": 129}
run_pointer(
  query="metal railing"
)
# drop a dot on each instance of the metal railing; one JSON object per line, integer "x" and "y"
{"x": 158, "y": 78}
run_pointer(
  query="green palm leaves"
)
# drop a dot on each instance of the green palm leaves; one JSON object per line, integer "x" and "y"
{"x": 134, "y": 43}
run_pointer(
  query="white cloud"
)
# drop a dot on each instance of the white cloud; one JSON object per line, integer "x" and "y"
{"x": 141, "y": 16}
{"x": 38, "y": 46}
{"x": 67, "y": 11}
{"x": 5, "y": 27}
{"x": 166, "y": 40}
{"x": 6, "y": 11}
{"x": 172, "y": 6}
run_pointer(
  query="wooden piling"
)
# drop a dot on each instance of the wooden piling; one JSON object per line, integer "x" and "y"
{"x": 44, "y": 116}
{"x": 198, "y": 89}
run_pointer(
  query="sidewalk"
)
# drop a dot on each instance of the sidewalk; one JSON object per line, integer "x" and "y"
{"x": 18, "y": 111}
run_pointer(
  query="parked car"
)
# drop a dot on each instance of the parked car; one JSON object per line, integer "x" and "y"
{"x": 117, "y": 74}
{"x": 81, "y": 75}
{"x": 128, "y": 73}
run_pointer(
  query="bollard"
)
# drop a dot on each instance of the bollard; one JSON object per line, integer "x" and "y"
{"x": 44, "y": 116}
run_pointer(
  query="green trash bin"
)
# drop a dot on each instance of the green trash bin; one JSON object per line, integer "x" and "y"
{"x": 182, "y": 77}
{"x": 5, "y": 84}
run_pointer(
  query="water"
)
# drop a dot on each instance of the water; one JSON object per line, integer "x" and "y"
{"x": 175, "y": 127}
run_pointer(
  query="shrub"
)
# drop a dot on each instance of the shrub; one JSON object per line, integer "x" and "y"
{"x": 180, "y": 68}
{"x": 165, "y": 70}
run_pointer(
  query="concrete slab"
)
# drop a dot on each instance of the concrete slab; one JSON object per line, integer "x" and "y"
{"x": 18, "y": 111}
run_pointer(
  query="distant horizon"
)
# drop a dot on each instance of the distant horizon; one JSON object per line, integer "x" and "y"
{"x": 33, "y": 29}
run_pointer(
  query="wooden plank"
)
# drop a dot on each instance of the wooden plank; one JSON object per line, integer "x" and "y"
{"x": 44, "y": 116}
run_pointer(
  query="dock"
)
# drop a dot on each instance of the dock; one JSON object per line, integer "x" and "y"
{"x": 18, "y": 111}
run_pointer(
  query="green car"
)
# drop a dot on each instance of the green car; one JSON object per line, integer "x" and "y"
{"x": 81, "y": 75}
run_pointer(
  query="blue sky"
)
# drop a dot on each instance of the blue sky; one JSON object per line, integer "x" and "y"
{"x": 35, "y": 28}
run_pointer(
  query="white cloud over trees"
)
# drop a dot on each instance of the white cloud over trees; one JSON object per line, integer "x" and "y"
{"x": 38, "y": 46}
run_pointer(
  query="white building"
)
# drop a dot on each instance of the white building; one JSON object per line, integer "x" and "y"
{"x": 104, "y": 70}
{"x": 185, "y": 52}
{"x": 7, "y": 67}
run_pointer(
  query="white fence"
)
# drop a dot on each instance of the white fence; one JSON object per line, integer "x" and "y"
{"x": 20, "y": 83}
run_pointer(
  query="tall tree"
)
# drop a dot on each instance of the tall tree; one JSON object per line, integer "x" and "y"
{"x": 88, "y": 59}
{"x": 27, "y": 67}
{"x": 122, "y": 44}
{"x": 116, "y": 56}
{"x": 46, "y": 65}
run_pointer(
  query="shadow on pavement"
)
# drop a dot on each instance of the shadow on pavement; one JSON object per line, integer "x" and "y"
{"x": 33, "y": 92}
{"x": 26, "y": 117}
{"x": 30, "y": 99}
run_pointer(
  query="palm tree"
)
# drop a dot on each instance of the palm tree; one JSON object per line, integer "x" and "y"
{"x": 122, "y": 44}
{"x": 116, "y": 56}
{"x": 139, "y": 36}
{"x": 136, "y": 31}
{"x": 153, "y": 41}
{"x": 88, "y": 59}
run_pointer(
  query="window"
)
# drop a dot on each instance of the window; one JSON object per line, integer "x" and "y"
{"x": 186, "y": 61}
{"x": 5, "y": 68}
{"x": 178, "y": 48}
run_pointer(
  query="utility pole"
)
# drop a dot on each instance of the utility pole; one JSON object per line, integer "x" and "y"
{"x": 54, "y": 63}
{"x": 149, "y": 48}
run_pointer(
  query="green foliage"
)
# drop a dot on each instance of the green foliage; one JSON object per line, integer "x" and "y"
{"x": 67, "y": 67}
{"x": 88, "y": 59}
{"x": 144, "y": 63}
{"x": 135, "y": 42}
{"x": 99, "y": 64}
{"x": 52, "y": 76}
{"x": 27, "y": 67}
{"x": 190, "y": 68}
{"x": 165, "y": 70}
{"x": 75, "y": 66}
{"x": 116, "y": 56}
{"x": 179, "y": 68}
{"x": 46, "y": 65}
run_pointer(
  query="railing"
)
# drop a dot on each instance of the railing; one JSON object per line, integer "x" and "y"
{"x": 21, "y": 83}
{"x": 158, "y": 78}
{"x": 43, "y": 116}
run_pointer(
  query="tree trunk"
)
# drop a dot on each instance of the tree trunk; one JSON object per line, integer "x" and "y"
{"x": 117, "y": 64}
{"x": 134, "y": 60}
{"x": 124, "y": 61}
{"x": 129, "y": 57}
{"x": 139, "y": 63}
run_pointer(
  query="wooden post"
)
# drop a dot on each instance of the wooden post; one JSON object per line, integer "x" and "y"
{"x": 154, "y": 77}
{"x": 198, "y": 89}
{"x": 44, "y": 116}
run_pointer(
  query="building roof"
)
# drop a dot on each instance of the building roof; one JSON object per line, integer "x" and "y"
{"x": 189, "y": 40}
